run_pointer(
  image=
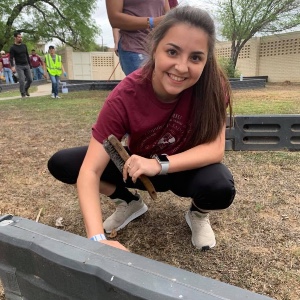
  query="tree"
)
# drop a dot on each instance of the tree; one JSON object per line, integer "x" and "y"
{"x": 241, "y": 19}
{"x": 66, "y": 20}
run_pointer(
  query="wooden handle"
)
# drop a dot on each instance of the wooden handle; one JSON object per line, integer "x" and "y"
{"x": 149, "y": 186}
{"x": 125, "y": 156}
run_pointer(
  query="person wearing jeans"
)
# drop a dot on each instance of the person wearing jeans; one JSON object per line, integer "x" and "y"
{"x": 8, "y": 75}
{"x": 24, "y": 73}
{"x": 130, "y": 61}
{"x": 55, "y": 80}
{"x": 6, "y": 67}
{"x": 20, "y": 63}
{"x": 55, "y": 68}
{"x": 131, "y": 25}
{"x": 37, "y": 65}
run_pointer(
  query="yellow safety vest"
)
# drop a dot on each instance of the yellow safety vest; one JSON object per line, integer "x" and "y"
{"x": 54, "y": 68}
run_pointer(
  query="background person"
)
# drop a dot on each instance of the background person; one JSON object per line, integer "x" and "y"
{"x": 5, "y": 67}
{"x": 37, "y": 65}
{"x": 20, "y": 63}
{"x": 53, "y": 65}
{"x": 132, "y": 21}
{"x": 174, "y": 110}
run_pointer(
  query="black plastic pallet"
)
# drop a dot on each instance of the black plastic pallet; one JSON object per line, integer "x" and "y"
{"x": 264, "y": 132}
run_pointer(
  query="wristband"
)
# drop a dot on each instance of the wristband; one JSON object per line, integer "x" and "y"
{"x": 148, "y": 23}
{"x": 98, "y": 237}
{"x": 151, "y": 22}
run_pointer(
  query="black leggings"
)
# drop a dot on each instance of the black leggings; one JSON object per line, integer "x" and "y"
{"x": 211, "y": 187}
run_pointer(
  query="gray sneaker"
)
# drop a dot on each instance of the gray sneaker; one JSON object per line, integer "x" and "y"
{"x": 203, "y": 237}
{"x": 124, "y": 213}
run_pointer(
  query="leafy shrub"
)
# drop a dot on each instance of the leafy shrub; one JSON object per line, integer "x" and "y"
{"x": 228, "y": 67}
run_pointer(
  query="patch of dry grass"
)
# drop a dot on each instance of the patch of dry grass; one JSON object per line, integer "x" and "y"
{"x": 258, "y": 237}
{"x": 274, "y": 99}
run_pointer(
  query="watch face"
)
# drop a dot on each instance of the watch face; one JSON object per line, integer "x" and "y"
{"x": 163, "y": 158}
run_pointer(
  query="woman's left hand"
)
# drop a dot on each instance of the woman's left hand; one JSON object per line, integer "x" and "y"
{"x": 138, "y": 165}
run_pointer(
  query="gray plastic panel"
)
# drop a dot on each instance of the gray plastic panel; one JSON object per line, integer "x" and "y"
{"x": 38, "y": 262}
{"x": 265, "y": 132}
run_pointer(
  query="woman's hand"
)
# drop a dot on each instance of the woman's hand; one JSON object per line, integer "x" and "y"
{"x": 115, "y": 244}
{"x": 138, "y": 165}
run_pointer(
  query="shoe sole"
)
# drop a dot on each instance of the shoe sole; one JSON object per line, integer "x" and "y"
{"x": 204, "y": 248}
{"x": 131, "y": 218}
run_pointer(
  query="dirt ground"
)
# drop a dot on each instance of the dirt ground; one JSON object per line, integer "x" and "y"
{"x": 258, "y": 237}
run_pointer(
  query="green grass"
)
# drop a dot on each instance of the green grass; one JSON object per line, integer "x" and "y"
{"x": 85, "y": 104}
{"x": 259, "y": 107}
{"x": 270, "y": 100}
{"x": 80, "y": 107}
{"x": 15, "y": 92}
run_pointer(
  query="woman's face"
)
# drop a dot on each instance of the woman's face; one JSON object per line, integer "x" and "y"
{"x": 180, "y": 58}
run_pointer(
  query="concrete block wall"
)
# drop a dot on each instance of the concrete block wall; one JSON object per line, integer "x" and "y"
{"x": 92, "y": 65}
{"x": 280, "y": 57}
{"x": 276, "y": 56}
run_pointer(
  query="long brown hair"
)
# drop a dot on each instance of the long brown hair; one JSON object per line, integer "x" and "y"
{"x": 211, "y": 92}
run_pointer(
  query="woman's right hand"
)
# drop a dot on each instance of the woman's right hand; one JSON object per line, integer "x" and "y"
{"x": 137, "y": 165}
{"x": 116, "y": 50}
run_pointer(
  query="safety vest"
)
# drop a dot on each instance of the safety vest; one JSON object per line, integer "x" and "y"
{"x": 54, "y": 68}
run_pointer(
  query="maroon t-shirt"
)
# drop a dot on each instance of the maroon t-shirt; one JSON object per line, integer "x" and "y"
{"x": 134, "y": 40}
{"x": 153, "y": 127}
{"x": 35, "y": 61}
{"x": 5, "y": 61}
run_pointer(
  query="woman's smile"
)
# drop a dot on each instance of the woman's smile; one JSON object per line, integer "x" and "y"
{"x": 176, "y": 78}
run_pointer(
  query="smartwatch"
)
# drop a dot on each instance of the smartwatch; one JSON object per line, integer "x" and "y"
{"x": 162, "y": 159}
